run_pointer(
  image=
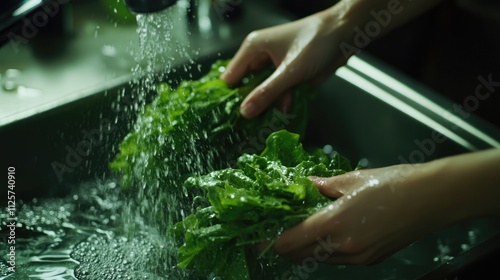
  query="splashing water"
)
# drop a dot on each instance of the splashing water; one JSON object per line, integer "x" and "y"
{"x": 81, "y": 236}
{"x": 102, "y": 231}
{"x": 163, "y": 45}
{"x": 163, "y": 39}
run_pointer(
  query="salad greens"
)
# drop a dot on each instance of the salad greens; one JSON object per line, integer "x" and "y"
{"x": 220, "y": 183}
{"x": 241, "y": 207}
{"x": 196, "y": 128}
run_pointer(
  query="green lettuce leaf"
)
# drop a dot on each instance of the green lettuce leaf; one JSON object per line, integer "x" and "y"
{"x": 193, "y": 129}
{"x": 241, "y": 207}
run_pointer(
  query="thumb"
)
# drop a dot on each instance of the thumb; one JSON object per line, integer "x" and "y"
{"x": 330, "y": 187}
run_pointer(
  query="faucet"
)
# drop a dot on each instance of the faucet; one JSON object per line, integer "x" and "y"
{"x": 207, "y": 16}
{"x": 11, "y": 13}
{"x": 148, "y": 6}
{"x": 14, "y": 13}
{"x": 43, "y": 23}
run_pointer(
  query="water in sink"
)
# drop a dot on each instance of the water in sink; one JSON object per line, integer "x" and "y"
{"x": 94, "y": 233}
{"x": 84, "y": 236}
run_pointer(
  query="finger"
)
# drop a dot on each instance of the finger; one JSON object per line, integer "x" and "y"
{"x": 266, "y": 93}
{"x": 334, "y": 259}
{"x": 249, "y": 57}
{"x": 370, "y": 256}
{"x": 329, "y": 187}
{"x": 331, "y": 253}
{"x": 326, "y": 251}
{"x": 314, "y": 228}
{"x": 320, "y": 251}
{"x": 238, "y": 66}
{"x": 331, "y": 249}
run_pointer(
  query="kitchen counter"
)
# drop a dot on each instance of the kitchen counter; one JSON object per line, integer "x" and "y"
{"x": 99, "y": 52}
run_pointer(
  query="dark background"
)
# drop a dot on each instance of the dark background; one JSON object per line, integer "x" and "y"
{"x": 446, "y": 48}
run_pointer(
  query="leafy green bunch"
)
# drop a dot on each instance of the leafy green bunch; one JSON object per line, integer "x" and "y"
{"x": 196, "y": 127}
{"x": 241, "y": 207}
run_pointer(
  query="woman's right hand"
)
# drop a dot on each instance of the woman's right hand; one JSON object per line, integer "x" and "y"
{"x": 306, "y": 50}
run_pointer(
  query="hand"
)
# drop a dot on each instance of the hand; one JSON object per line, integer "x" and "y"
{"x": 380, "y": 211}
{"x": 377, "y": 213}
{"x": 308, "y": 50}
{"x": 303, "y": 50}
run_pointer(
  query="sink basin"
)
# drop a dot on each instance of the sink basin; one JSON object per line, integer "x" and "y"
{"x": 55, "y": 102}
{"x": 372, "y": 113}
{"x": 367, "y": 111}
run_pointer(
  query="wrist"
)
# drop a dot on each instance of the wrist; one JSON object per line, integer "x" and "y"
{"x": 427, "y": 193}
{"x": 353, "y": 25}
{"x": 464, "y": 187}
{"x": 339, "y": 23}
{"x": 363, "y": 21}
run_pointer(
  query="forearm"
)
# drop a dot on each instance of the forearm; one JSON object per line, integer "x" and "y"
{"x": 374, "y": 18}
{"x": 465, "y": 186}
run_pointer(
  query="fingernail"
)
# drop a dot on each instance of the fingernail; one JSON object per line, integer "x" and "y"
{"x": 248, "y": 109}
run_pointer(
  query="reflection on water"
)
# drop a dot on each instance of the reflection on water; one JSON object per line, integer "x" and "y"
{"x": 89, "y": 235}
{"x": 82, "y": 236}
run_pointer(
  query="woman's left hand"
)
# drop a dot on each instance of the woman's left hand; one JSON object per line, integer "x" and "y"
{"x": 377, "y": 212}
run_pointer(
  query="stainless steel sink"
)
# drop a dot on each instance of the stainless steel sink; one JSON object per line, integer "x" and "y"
{"x": 47, "y": 105}
{"x": 367, "y": 111}
{"x": 372, "y": 113}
